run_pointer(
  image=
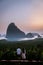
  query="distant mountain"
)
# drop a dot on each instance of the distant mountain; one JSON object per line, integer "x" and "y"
{"x": 30, "y": 35}
{"x": 36, "y": 34}
{"x": 13, "y": 32}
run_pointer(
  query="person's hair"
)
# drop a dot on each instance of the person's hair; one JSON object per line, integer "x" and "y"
{"x": 23, "y": 50}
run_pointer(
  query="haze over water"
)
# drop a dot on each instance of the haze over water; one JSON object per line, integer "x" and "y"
{"x": 22, "y": 39}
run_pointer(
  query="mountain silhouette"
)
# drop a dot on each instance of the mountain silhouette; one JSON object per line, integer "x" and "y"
{"x": 29, "y": 35}
{"x": 36, "y": 34}
{"x": 13, "y": 32}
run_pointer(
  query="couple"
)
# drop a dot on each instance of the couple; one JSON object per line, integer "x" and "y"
{"x": 21, "y": 53}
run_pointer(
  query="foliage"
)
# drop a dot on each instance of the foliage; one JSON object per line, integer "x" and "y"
{"x": 34, "y": 49}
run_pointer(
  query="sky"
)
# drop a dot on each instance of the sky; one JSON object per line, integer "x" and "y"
{"x": 27, "y": 15}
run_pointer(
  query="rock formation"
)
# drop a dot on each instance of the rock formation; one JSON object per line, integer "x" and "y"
{"x": 13, "y": 32}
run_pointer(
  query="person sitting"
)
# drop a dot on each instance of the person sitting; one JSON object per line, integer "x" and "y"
{"x": 18, "y": 53}
{"x": 23, "y": 54}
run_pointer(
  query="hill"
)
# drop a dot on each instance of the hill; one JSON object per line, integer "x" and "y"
{"x": 14, "y": 33}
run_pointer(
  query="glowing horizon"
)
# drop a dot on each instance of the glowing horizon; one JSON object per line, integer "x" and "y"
{"x": 26, "y": 14}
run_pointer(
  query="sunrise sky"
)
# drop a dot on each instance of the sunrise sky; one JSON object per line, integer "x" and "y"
{"x": 26, "y": 14}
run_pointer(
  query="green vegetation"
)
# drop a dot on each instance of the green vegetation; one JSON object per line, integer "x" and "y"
{"x": 34, "y": 49}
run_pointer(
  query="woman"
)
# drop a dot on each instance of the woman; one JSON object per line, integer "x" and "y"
{"x": 23, "y": 54}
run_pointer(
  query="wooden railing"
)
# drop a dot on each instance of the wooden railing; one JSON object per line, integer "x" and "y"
{"x": 19, "y": 61}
